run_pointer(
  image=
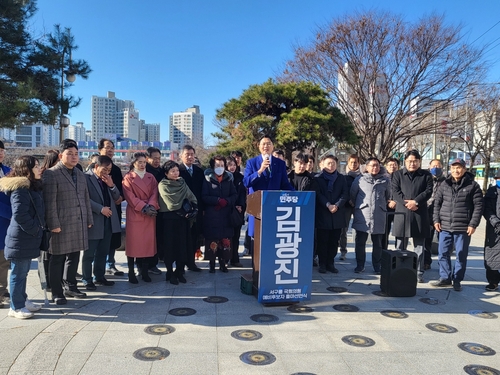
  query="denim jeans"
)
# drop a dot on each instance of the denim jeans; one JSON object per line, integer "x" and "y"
{"x": 446, "y": 241}
{"x": 18, "y": 276}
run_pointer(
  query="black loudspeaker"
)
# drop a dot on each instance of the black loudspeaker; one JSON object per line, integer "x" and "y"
{"x": 398, "y": 276}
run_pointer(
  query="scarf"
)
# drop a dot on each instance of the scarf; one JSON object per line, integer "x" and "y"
{"x": 172, "y": 194}
{"x": 140, "y": 173}
{"x": 331, "y": 178}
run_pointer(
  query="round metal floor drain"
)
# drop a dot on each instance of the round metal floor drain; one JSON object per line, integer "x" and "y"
{"x": 246, "y": 335}
{"x": 476, "y": 349}
{"x": 380, "y": 293}
{"x": 159, "y": 329}
{"x": 300, "y": 309}
{"x": 346, "y": 308}
{"x": 257, "y": 358}
{"x": 355, "y": 340}
{"x": 182, "y": 311}
{"x": 264, "y": 318}
{"x": 443, "y": 328}
{"x": 480, "y": 370}
{"x": 151, "y": 354}
{"x": 394, "y": 314}
{"x": 431, "y": 301}
{"x": 215, "y": 299}
{"x": 483, "y": 314}
{"x": 336, "y": 289}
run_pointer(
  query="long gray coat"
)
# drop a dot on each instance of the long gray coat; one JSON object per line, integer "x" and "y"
{"x": 67, "y": 206}
{"x": 418, "y": 188}
{"x": 96, "y": 232}
{"x": 370, "y": 195}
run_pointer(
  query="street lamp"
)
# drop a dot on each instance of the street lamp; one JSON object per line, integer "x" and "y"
{"x": 70, "y": 77}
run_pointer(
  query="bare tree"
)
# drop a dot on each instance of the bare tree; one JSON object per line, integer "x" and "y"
{"x": 381, "y": 70}
{"x": 483, "y": 115}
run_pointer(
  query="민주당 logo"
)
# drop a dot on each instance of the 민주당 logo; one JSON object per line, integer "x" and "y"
{"x": 286, "y": 198}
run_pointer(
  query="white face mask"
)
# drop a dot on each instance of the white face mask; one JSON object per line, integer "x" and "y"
{"x": 219, "y": 171}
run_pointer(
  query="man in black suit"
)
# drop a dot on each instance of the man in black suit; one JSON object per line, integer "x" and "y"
{"x": 194, "y": 177}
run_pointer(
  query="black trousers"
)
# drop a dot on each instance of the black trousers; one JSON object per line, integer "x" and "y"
{"x": 328, "y": 245}
{"x": 493, "y": 276}
{"x": 235, "y": 244}
{"x": 62, "y": 272}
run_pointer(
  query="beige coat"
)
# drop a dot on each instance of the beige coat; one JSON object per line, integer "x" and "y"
{"x": 67, "y": 206}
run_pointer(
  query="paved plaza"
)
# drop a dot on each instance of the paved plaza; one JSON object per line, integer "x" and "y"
{"x": 100, "y": 334}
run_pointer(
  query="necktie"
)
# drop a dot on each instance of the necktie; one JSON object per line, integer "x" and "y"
{"x": 190, "y": 170}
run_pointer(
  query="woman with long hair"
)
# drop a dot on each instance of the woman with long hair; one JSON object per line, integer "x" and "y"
{"x": 24, "y": 234}
{"x": 176, "y": 222}
{"x": 51, "y": 158}
{"x": 141, "y": 193}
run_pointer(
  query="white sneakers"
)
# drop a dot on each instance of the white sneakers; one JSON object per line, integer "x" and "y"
{"x": 31, "y": 306}
{"x": 26, "y": 312}
{"x": 23, "y": 313}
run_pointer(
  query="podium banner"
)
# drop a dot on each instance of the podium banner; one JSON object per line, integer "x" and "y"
{"x": 287, "y": 245}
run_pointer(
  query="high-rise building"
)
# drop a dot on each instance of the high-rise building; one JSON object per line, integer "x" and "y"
{"x": 76, "y": 132}
{"x": 150, "y": 132}
{"x": 32, "y": 136}
{"x": 187, "y": 127}
{"x": 110, "y": 116}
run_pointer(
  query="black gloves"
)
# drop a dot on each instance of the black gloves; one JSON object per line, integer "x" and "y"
{"x": 149, "y": 210}
{"x": 497, "y": 229}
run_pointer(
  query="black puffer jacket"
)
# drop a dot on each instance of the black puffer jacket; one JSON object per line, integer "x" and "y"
{"x": 492, "y": 240}
{"x": 458, "y": 205}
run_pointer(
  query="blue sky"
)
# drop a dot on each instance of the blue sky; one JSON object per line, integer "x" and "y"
{"x": 167, "y": 55}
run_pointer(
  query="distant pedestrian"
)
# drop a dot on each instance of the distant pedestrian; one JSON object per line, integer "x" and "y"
{"x": 492, "y": 241}
{"x": 25, "y": 230}
{"x": 458, "y": 207}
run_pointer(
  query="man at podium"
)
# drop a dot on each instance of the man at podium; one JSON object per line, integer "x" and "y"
{"x": 265, "y": 172}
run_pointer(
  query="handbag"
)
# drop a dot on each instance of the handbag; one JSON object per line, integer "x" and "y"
{"x": 46, "y": 234}
{"x": 236, "y": 218}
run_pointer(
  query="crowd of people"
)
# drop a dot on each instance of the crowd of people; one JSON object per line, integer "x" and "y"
{"x": 173, "y": 209}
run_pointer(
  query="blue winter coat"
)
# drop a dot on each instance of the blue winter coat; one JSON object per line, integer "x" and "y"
{"x": 5, "y": 212}
{"x": 24, "y": 233}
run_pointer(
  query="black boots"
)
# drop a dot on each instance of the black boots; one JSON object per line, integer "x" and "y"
{"x": 144, "y": 271}
{"x": 131, "y": 271}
